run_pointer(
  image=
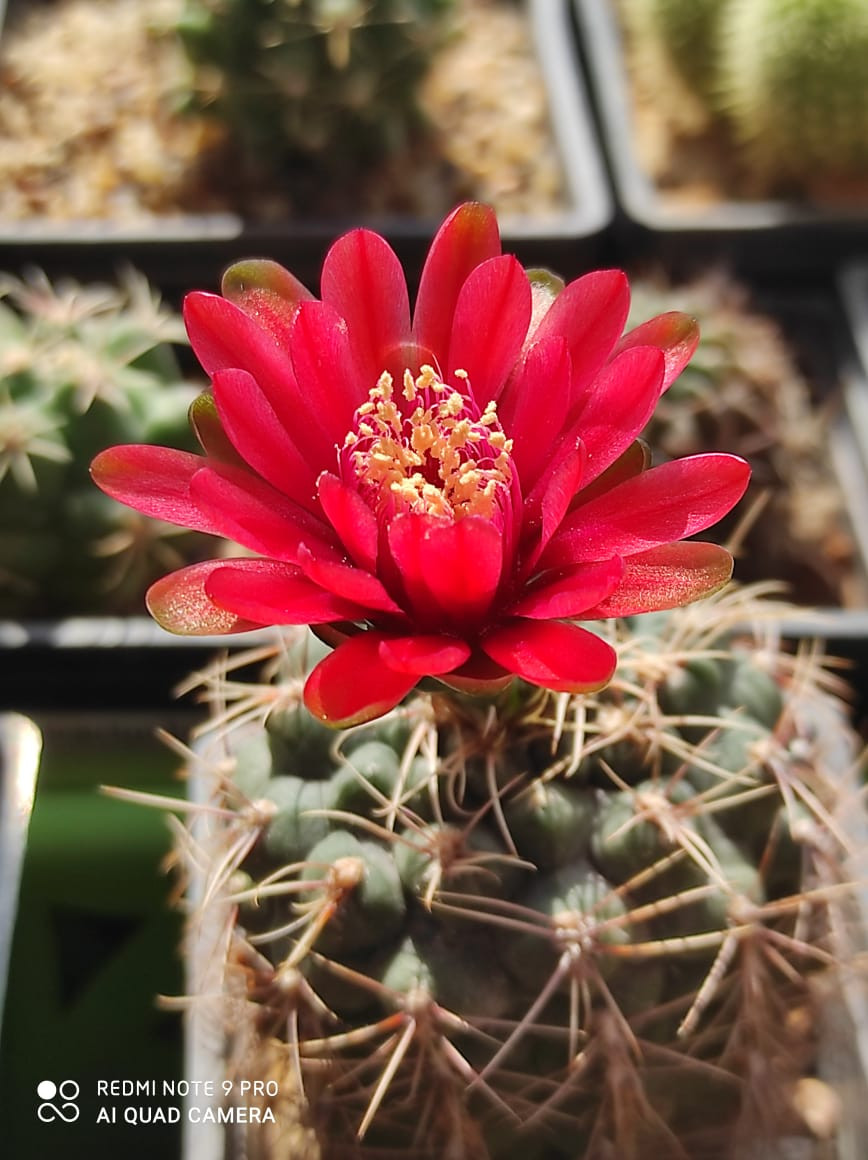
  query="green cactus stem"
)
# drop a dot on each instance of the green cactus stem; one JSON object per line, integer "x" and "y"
{"x": 792, "y": 82}
{"x": 579, "y": 956}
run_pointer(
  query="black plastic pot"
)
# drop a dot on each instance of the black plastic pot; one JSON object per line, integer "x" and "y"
{"x": 776, "y": 239}
{"x": 103, "y": 663}
{"x": 182, "y": 253}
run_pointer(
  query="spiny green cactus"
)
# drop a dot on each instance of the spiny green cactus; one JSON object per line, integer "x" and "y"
{"x": 81, "y": 368}
{"x": 784, "y": 79}
{"x": 686, "y": 29}
{"x": 542, "y": 925}
{"x": 794, "y": 85}
{"x": 744, "y": 389}
{"x": 333, "y": 80}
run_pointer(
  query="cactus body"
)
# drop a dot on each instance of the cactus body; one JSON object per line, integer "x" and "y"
{"x": 744, "y": 389}
{"x": 553, "y": 958}
{"x": 299, "y": 79}
{"x": 82, "y": 368}
{"x": 686, "y": 30}
{"x": 782, "y": 80}
{"x": 793, "y": 83}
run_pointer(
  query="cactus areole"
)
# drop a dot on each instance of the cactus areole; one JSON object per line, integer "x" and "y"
{"x": 438, "y": 494}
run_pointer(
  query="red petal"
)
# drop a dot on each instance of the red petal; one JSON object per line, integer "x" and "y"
{"x": 329, "y": 376}
{"x": 550, "y": 501}
{"x": 490, "y": 324}
{"x": 532, "y": 408}
{"x": 635, "y": 460}
{"x": 666, "y": 577}
{"x": 424, "y": 655}
{"x": 266, "y": 291}
{"x": 570, "y": 593}
{"x": 354, "y": 685}
{"x": 223, "y": 336}
{"x": 351, "y": 518}
{"x": 269, "y": 592}
{"x": 561, "y": 657}
{"x": 409, "y": 356}
{"x": 561, "y": 488}
{"x": 363, "y": 281}
{"x": 180, "y": 604}
{"x": 620, "y": 403}
{"x": 250, "y": 422}
{"x": 545, "y": 287}
{"x": 156, "y": 482}
{"x": 466, "y": 238}
{"x": 590, "y": 313}
{"x": 667, "y": 503}
{"x": 479, "y": 675}
{"x": 451, "y": 571}
{"x": 210, "y": 432}
{"x": 350, "y": 583}
{"x": 674, "y": 333}
{"x": 249, "y": 511}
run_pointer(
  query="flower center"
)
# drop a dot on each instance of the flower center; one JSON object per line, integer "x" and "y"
{"x": 430, "y": 452}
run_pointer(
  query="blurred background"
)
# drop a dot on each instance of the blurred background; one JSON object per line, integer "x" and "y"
{"x": 715, "y": 149}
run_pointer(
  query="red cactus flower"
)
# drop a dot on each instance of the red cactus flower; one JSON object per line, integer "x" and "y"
{"x": 441, "y": 495}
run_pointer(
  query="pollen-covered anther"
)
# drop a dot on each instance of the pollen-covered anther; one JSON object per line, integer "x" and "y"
{"x": 435, "y": 454}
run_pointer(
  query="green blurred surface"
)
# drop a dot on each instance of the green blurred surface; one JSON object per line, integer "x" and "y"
{"x": 96, "y": 941}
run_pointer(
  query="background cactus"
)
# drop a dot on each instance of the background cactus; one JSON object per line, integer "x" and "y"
{"x": 331, "y": 80}
{"x": 82, "y": 368}
{"x": 685, "y": 29}
{"x": 744, "y": 389}
{"x": 794, "y": 86}
{"x": 783, "y": 79}
{"x": 568, "y": 926}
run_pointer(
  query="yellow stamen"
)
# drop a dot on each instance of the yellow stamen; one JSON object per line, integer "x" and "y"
{"x": 420, "y": 462}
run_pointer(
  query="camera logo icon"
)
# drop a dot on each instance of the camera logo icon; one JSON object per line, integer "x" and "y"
{"x": 58, "y": 1101}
